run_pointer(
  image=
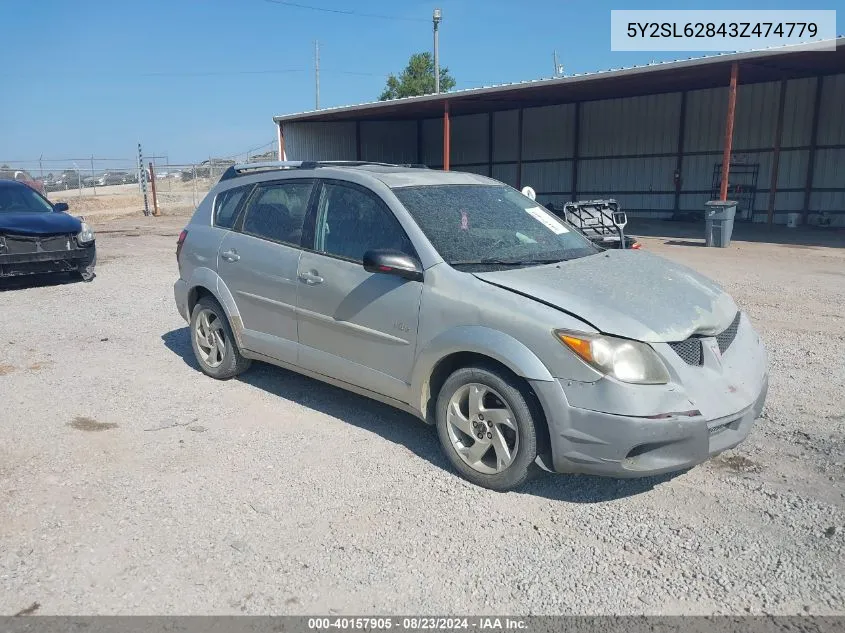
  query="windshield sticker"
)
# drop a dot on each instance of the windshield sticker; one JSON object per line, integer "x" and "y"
{"x": 547, "y": 219}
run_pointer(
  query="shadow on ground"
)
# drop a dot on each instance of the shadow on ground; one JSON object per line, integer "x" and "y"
{"x": 684, "y": 243}
{"x": 39, "y": 281}
{"x": 406, "y": 430}
{"x": 692, "y": 233}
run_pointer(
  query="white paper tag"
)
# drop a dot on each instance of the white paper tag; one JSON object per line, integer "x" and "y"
{"x": 548, "y": 220}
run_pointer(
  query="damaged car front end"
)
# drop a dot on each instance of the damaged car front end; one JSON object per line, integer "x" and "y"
{"x": 37, "y": 237}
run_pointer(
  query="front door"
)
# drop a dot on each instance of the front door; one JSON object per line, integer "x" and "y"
{"x": 258, "y": 261}
{"x": 356, "y": 326}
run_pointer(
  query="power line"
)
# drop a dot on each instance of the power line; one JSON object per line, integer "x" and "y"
{"x": 253, "y": 149}
{"x": 204, "y": 73}
{"x": 345, "y": 12}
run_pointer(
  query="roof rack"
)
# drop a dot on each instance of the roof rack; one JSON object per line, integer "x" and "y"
{"x": 358, "y": 163}
{"x": 242, "y": 169}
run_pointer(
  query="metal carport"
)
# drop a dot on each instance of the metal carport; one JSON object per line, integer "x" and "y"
{"x": 652, "y": 136}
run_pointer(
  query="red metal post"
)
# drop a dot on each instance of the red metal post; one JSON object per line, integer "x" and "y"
{"x": 729, "y": 132}
{"x": 153, "y": 185}
{"x": 447, "y": 136}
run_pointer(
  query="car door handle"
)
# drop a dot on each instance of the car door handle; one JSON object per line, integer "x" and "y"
{"x": 230, "y": 256}
{"x": 312, "y": 278}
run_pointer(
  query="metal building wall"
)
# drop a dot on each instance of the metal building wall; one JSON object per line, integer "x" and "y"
{"x": 505, "y": 155}
{"x": 828, "y": 192}
{"x": 320, "y": 141}
{"x": 388, "y": 141}
{"x": 625, "y": 152}
{"x": 629, "y": 148}
{"x": 432, "y": 143}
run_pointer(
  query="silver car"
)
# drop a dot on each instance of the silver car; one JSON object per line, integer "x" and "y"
{"x": 454, "y": 297}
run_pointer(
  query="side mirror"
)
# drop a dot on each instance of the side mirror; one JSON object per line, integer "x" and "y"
{"x": 61, "y": 206}
{"x": 390, "y": 262}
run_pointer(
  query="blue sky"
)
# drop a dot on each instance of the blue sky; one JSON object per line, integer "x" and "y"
{"x": 194, "y": 78}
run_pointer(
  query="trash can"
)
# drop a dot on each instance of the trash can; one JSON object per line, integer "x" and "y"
{"x": 719, "y": 222}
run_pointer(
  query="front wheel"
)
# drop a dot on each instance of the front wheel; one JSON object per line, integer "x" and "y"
{"x": 487, "y": 428}
{"x": 86, "y": 271}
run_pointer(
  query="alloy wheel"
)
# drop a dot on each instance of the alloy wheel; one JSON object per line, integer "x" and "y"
{"x": 210, "y": 338}
{"x": 482, "y": 428}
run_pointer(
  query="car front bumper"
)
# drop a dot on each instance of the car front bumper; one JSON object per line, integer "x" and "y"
{"x": 608, "y": 428}
{"x": 596, "y": 443}
{"x": 20, "y": 264}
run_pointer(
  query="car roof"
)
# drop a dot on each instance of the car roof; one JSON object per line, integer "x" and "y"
{"x": 5, "y": 182}
{"x": 398, "y": 176}
{"x": 394, "y": 176}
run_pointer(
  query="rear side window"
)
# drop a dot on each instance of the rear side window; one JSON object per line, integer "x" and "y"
{"x": 277, "y": 211}
{"x": 226, "y": 207}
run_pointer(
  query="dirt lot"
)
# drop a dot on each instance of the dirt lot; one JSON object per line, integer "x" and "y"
{"x": 104, "y": 204}
{"x": 132, "y": 484}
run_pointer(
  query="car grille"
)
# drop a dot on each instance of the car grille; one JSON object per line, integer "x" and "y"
{"x": 689, "y": 351}
{"x": 728, "y": 335}
{"x": 17, "y": 245}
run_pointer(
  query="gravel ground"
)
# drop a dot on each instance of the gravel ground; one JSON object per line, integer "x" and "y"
{"x": 132, "y": 484}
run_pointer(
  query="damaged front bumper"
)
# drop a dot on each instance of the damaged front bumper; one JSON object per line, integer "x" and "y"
{"x": 33, "y": 255}
{"x": 622, "y": 430}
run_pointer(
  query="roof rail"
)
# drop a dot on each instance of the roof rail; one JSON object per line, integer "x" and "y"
{"x": 244, "y": 168}
{"x": 358, "y": 163}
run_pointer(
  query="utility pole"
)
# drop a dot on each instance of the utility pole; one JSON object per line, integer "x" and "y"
{"x": 557, "y": 66}
{"x": 437, "y": 17}
{"x": 317, "y": 74}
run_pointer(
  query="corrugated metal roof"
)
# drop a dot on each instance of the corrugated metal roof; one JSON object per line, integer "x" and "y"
{"x": 624, "y": 72}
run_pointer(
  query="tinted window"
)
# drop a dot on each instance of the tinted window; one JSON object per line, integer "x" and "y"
{"x": 351, "y": 222}
{"x": 226, "y": 207}
{"x": 474, "y": 223}
{"x": 277, "y": 212}
{"x": 21, "y": 198}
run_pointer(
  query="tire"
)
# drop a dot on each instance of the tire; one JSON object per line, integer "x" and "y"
{"x": 491, "y": 387}
{"x": 87, "y": 270}
{"x": 221, "y": 366}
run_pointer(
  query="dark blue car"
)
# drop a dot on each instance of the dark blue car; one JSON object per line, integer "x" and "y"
{"x": 39, "y": 237}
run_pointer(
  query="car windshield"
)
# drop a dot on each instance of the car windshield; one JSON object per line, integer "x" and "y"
{"x": 22, "y": 199}
{"x": 491, "y": 226}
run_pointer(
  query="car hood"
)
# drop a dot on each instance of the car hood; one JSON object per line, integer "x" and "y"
{"x": 52, "y": 223}
{"x": 626, "y": 293}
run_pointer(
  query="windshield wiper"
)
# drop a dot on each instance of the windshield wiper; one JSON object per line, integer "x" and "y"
{"x": 491, "y": 261}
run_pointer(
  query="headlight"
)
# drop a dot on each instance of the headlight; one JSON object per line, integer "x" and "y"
{"x": 628, "y": 361}
{"x": 85, "y": 235}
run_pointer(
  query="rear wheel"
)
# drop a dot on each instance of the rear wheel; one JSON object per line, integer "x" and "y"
{"x": 214, "y": 343}
{"x": 487, "y": 428}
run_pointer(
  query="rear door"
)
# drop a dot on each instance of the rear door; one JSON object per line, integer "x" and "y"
{"x": 356, "y": 326}
{"x": 259, "y": 260}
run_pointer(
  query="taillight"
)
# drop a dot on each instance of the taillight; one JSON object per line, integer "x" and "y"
{"x": 180, "y": 242}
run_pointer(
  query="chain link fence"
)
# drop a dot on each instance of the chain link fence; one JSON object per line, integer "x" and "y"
{"x": 107, "y": 188}
{"x": 110, "y": 188}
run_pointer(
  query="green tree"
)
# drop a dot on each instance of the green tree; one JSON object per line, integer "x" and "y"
{"x": 417, "y": 79}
